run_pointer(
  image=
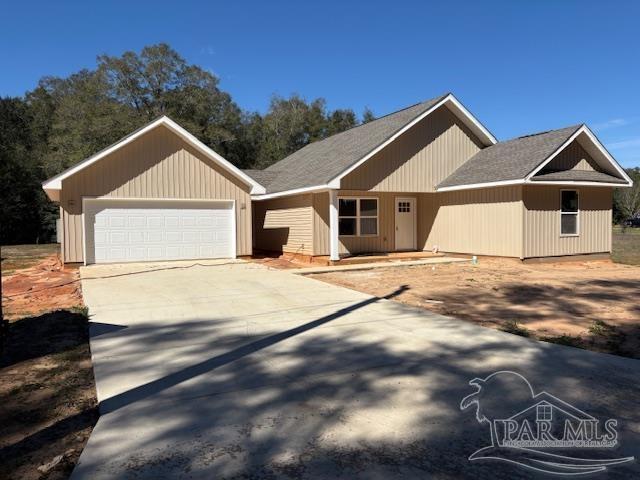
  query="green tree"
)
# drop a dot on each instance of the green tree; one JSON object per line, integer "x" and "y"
{"x": 158, "y": 81}
{"x": 292, "y": 123}
{"x": 367, "y": 115}
{"x": 339, "y": 121}
{"x": 626, "y": 201}
{"x": 18, "y": 174}
{"x": 64, "y": 120}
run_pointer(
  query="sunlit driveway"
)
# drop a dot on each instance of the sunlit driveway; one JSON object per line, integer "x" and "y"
{"x": 232, "y": 370}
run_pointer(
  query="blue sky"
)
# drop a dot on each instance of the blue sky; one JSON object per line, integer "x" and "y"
{"x": 520, "y": 67}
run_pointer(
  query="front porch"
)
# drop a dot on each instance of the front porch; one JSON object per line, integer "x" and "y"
{"x": 365, "y": 226}
{"x": 375, "y": 257}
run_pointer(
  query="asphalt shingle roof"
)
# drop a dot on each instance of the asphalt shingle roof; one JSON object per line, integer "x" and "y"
{"x": 263, "y": 177}
{"x": 578, "y": 176}
{"x": 321, "y": 161}
{"x": 510, "y": 160}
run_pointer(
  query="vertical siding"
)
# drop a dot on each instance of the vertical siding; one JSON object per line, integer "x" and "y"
{"x": 284, "y": 224}
{"x": 573, "y": 157}
{"x": 542, "y": 222}
{"x": 157, "y": 165}
{"x": 482, "y": 222}
{"x": 383, "y": 242}
{"x": 419, "y": 159}
{"x": 321, "y": 223}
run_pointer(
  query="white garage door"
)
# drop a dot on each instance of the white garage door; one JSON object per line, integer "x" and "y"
{"x": 131, "y": 231}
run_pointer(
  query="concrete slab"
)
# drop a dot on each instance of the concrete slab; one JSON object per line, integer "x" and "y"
{"x": 373, "y": 265}
{"x": 234, "y": 370}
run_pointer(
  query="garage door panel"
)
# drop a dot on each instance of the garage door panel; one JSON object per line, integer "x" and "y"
{"x": 137, "y": 221}
{"x": 116, "y": 221}
{"x": 116, "y": 237}
{"x": 136, "y": 237}
{"x": 172, "y": 221}
{"x": 155, "y": 222}
{"x": 143, "y": 230}
{"x": 173, "y": 237}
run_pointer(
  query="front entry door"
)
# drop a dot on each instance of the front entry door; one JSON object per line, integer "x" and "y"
{"x": 405, "y": 223}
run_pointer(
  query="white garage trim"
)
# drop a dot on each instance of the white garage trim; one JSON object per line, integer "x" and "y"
{"x": 53, "y": 186}
{"x": 89, "y": 200}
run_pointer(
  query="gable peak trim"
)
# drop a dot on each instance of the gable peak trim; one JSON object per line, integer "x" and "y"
{"x": 53, "y": 185}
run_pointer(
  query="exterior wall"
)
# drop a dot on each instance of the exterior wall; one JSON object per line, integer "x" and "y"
{"x": 158, "y": 165}
{"x": 284, "y": 224}
{"x": 383, "y": 242}
{"x": 573, "y": 157}
{"x": 419, "y": 159}
{"x": 481, "y": 222}
{"x": 542, "y": 222}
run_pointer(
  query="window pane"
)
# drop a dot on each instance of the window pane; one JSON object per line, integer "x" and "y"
{"x": 569, "y": 201}
{"x": 368, "y": 226}
{"x": 569, "y": 224}
{"x": 368, "y": 208}
{"x": 347, "y": 226}
{"x": 346, "y": 207}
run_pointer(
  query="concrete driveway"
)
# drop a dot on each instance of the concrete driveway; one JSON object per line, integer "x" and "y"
{"x": 232, "y": 370}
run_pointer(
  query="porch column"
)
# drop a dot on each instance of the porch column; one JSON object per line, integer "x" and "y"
{"x": 333, "y": 225}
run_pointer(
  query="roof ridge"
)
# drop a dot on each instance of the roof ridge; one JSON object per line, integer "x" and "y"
{"x": 434, "y": 100}
{"x": 574, "y": 127}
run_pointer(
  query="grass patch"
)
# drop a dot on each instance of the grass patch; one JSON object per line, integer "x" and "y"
{"x": 600, "y": 328}
{"x": 625, "y": 246}
{"x": 15, "y": 257}
{"x": 566, "y": 340}
{"x": 512, "y": 326}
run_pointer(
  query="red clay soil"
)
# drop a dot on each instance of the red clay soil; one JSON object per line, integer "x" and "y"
{"x": 47, "y": 286}
{"x": 593, "y": 305}
{"x": 48, "y": 401}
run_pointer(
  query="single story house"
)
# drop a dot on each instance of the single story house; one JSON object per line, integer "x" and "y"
{"x": 428, "y": 176}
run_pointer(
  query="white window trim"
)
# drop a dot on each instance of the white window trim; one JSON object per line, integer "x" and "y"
{"x": 577, "y": 213}
{"x": 358, "y": 217}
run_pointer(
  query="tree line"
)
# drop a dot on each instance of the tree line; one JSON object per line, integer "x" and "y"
{"x": 65, "y": 120}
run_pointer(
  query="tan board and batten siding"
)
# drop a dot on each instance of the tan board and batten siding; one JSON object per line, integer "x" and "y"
{"x": 486, "y": 221}
{"x": 415, "y": 162}
{"x": 383, "y": 242}
{"x": 284, "y": 224}
{"x": 573, "y": 157}
{"x": 510, "y": 221}
{"x": 157, "y": 165}
{"x": 542, "y": 222}
{"x": 419, "y": 159}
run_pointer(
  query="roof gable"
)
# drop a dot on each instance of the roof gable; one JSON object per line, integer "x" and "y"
{"x": 53, "y": 185}
{"x": 323, "y": 163}
{"x": 519, "y": 160}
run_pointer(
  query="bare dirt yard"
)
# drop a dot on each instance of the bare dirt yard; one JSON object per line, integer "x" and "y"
{"x": 48, "y": 402}
{"x": 591, "y": 305}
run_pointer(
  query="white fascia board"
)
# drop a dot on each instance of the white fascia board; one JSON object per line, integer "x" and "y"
{"x": 296, "y": 191}
{"x": 529, "y": 182}
{"x": 607, "y": 155}
{"x": 256, "y": 187}
{"x": 584, "y": 129}
{"x": 55, "y": 183}
{"x": 467, "y": 118}
{"x": 474, "y": 122}
{"x": 579, "y": 183}
{"x": 473, "y": 186}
